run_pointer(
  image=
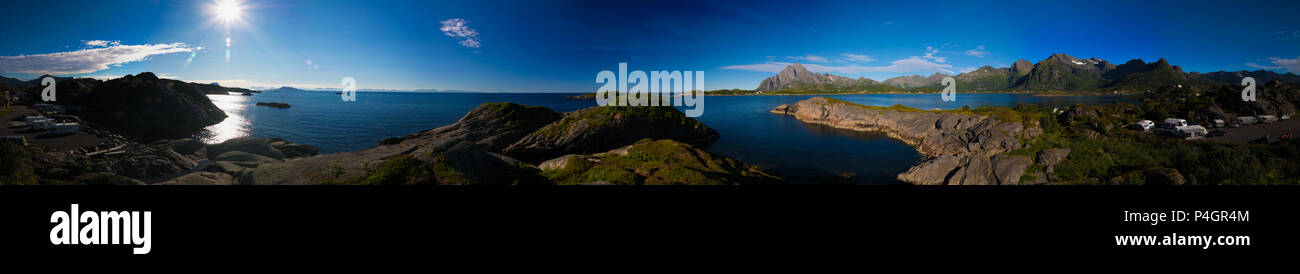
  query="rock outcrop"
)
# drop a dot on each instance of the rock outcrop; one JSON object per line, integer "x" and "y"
{"x": 141, "y": 107}
{"x": 598, "y": 129}
{"x": 962, "y": 148}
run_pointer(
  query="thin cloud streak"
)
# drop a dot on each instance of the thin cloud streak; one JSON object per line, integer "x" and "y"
{"x": 86, "y": 60}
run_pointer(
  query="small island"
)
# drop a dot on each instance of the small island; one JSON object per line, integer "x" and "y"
{"x": 273, "y": 104}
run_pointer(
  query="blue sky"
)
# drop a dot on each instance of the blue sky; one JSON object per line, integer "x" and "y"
{"x": 559, "y": 46}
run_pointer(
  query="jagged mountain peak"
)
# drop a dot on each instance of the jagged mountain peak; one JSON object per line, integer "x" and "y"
{"x": 796, "y": 76}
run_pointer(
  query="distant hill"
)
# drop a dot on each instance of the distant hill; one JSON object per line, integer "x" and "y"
{"x": 1058, "y": 72}
{"x": 1261, "y": 76}
{"x": 15, "y": 82}
{"x": 915, "y": 81}
{"x": 284, "y": 89}
{"x": 1139, "y": 76}
{"x": 10, "y": 82}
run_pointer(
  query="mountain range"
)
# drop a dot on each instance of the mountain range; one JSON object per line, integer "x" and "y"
{"x": 1059, "y": 72}
{"x": 15, "y": 82}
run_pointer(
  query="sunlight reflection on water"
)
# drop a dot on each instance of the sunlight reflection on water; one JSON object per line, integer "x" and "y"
{"x": 234, "y": 126}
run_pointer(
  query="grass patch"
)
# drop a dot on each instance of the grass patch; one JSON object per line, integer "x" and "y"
{"x": 660, "y": 162}
{"x": 400, "y": 170}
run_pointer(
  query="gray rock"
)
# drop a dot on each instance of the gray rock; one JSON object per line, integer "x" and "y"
{"x": 1052, "y": 156}
{"x": 226, "y": 167}
{"x": 932, "y": 171}
{"x": 259, "y": 146}
{"x": 202, "y": 178}
{"x": 1009, "y": 168}
{"x": 292, "y": 150}
{"x": 240, "y": 156}
{"x": 958, "y": 146}
{"x": 560, "y": 162}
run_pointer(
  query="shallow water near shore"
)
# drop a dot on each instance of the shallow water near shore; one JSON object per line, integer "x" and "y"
{"x": 777, "y": 143}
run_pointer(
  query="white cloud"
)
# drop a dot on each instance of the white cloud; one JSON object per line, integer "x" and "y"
{"x": 1291, "y": 65}
{"x": 86, "y": 60}
{"x": 102, "y": 43}
{"x": 977, "y": 52}
{"x": 857, "y": 57}
{"x": 909, "y": 65}
{"x": 810, "y": 58}
{"x": 930, "y": 54}
{"x": 459, "y": 29}
{"x": 772, "y": 67}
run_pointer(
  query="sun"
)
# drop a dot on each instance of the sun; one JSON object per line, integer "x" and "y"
{"x": 228, "y": 10}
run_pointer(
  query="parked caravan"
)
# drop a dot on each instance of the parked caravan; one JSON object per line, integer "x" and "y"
{"x": 62, "y": 129}
{"x": 1174, "y": 123}
{"x": 1247, "y": 120}
{"x": 1190, "y": 132}
{"x": 1267, "y": 118}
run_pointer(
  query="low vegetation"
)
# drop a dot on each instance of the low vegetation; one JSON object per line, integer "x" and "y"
{"x": 1104, "y": 152}
{"x": 659, "y": 162}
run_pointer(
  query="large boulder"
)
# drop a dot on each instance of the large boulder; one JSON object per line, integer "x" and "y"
{"x": 292, "y": 150}
{"x": 251, "y": 145}
{"x": 1008, "y": 169}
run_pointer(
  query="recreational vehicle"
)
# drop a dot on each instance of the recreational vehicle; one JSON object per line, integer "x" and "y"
{"x": 39, "y": 122}
{"x": 1174, "y": 123}
{"x": 62, "y": 129}
{"x": 1247, "y": 120}
{"x": 1267, "y": 118}
{"x": 1143, "y": 125}
{"x": 1190, "y": 132}
{"x": 1217, "y": 123}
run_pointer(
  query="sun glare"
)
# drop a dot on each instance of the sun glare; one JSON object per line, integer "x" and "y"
{"x": 228, "y": 10}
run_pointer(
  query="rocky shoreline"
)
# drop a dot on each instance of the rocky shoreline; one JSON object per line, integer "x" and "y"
{"x": 960, "y": 148}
